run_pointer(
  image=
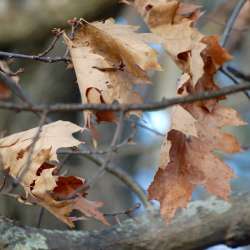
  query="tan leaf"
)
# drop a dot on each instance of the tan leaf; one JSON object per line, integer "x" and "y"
{"x": 209, "y": 126}
{"x": 191, "y": 163}
{"x": 40, "y": 180}
{"x": 187, "y": 157}
{"x": 173, "y": 22}
{"x": 107, "y": 59}
{"x": 188, "y": 160}
{"x": 60, "y": 204}
{"x": 183, "y": 121}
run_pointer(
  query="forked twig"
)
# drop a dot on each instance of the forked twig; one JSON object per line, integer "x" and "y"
{"x": 231, "y": 21}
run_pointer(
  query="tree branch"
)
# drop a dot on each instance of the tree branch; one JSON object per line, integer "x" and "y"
{"x": 165, "y": 103}
{"x": 41, "y": 58}
{"x": 239, "y": 74}
{"x": 110, "y": 154}
{"x": 125, "y": 178}
{"x": 231, "y": 21}
{"x": 202, "y": 224}
{"x": 228, "y": 74}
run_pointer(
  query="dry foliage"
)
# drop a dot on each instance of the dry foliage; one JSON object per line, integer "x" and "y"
{"x": 40, "y": 180}
{"x": 187, "y": 157}
{"x": 108, "y": 60}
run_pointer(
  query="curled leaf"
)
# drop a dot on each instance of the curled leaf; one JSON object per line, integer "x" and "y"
{"x": 108, "y": 58}
{"x": 40, "y": 180}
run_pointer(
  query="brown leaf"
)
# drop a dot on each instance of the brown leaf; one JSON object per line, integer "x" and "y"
{"x": 60, "y": 204}
{"x": 191, "y": 163}
{"x": 187, "y": 157}
{"x": 174, "y": 23}
{"x": 41, "y": 181}
{"x": 209, "y": 126}
{"x": 107, "y": 59}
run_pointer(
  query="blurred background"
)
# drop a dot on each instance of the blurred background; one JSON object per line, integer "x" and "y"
{"x": 25, "y": 27}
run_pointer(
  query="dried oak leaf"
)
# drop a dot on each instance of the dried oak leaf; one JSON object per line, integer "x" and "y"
{"x": 214, "y": 56}
{"x": 209, "y": 125}
{"x": 187, "y": 157}
{"x": 174, "y": 22}
{"x": 187, "y": 126}
{"x": 191, "y": 163}
{"x": 40, "y": 180}
{"x": 107, "y": 59}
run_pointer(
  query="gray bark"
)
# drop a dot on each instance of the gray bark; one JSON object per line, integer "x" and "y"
{"x": 202, "y": 224}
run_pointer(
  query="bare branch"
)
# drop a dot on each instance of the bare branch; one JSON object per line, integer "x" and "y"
{"x": 165, "y": 103}
{"x": 239, "y": 74}
{"x": 18, "y": 91}
{"x": 202, "y": 224}
{"x": 46, "y": 59}
{"x": 125, "y": 178}
{"x": 228, "y": 74}
{"x": 57, "y": 33}
{"x": 128, "y": 211}
{"x": 231, "y": 21}
{"x": 150, "y": 129}
{"x": 27, "y": 164}
{"x": 115, "y": 141}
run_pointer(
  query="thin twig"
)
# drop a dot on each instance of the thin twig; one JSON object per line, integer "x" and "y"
{"x": 118, "y": 173}
{"x": 165, "y": 103}
{"x": 57, "y": 33}
{"x": 40, "y": 217}
{"x": 74, "y": 22}
{"x": 81, "y": 152}
{"x": 128, "y": 211}
{"x": 46, "y": 59}
{"x": 234, "y": 80}
{"x": 4, "y": 182}
{"x": 231, "y": 21}
{"x": 17, "y": 90}
{"x": 212, "y": 19}
{"x": 239, "y": 74}
{"x": 115, "y": 141}
{"x": 108, "y": 158}
{"x": 77, "y": 151}
{"x": 11, "y": 73}
{"x": 150, "y": 129}
{"x": 125, "y": 178}
{"x": 63, "y": 162}
{"x": 24, "y": 169}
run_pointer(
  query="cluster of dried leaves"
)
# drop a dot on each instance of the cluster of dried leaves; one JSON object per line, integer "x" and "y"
{"x": 40, "y": 180}
{"x": 187, "y": 153}
{"x": 109, "y": 59}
